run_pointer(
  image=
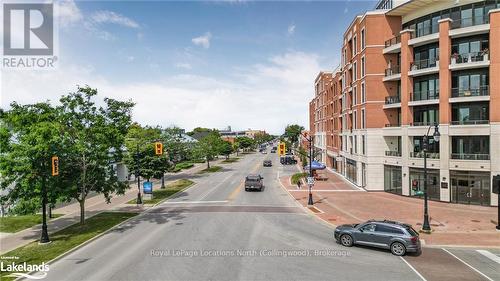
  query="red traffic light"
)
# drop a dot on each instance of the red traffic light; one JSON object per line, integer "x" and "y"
{"x": 158, "y": 148}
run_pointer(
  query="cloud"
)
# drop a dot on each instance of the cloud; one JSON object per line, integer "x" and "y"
{"x": 68, "y": 13}
{"x": 291, "y": 29}
{"x": 183, "y": 65}
{"x": 203, "y": 40}
{"x": 104, "y": 17}
{"x": 268, "y": 95}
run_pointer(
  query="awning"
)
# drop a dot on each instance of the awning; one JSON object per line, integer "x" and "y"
{"x": 315, "y": 165}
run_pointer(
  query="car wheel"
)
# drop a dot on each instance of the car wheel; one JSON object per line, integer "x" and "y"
{"x": 346, "y": 240}
{"x": 398, "y": 249}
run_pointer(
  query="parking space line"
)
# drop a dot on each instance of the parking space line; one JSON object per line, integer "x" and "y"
{"x": 470, "y": 266}
{"x": 489, "y": 255}
{"x": 414, "y": 270}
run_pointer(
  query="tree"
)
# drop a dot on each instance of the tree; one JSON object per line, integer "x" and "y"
{"x": 292, "y": 132}
{"x": 176, "y": 146}
{"x": 29, "y": 136}
{"x": 245, "y": 142}
{"x": 208, "y": 147}
{"x": 141, "y": 156}
{"x": 199, "y": 130}
{"x": 226, "y": 148}
{"x": 94, "y": 138}
{"x": 236, "y": 146}
{"x": 263, "y": 137}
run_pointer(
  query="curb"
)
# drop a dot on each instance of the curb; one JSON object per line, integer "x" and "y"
{"x": 83, "y": 244}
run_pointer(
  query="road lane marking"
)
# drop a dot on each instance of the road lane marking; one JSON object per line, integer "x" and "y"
{"x": 195, "y": 202}
{"x": 325, "y": 190}
{"x": 414, "y": 270}
{"x": 489, "y": 255}
{"x": 470, "y": 266}
{"x": 215, "y": 187}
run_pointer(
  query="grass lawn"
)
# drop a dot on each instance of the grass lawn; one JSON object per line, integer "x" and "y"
{"x": 296, "y": 177}
{"x": 170, "y": 189}
{"x": 12, "y": 224}
{"x": 231, "y": 160}
{"x": 212, "y": 169}
{"x": 64, "y": 240}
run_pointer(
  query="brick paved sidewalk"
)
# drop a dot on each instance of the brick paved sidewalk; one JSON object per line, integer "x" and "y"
{"x": 337, "y": 202}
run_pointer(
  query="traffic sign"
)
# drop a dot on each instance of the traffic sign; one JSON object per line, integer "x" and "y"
{"x": 310, "y": 180}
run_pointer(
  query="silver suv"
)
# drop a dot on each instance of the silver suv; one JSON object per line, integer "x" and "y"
{"x": 400, "y": 238}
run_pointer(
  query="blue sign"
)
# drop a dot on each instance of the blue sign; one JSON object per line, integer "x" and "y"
{"x": 147, "y": 187}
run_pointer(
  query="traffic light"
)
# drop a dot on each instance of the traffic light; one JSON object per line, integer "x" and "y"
{"x": 414, "y": 184}
{"x": 55, "y": 166}
{"x": 282, "y": 149}
{"x": 158, "y": 148}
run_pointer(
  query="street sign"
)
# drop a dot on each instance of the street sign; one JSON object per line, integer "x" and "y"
{"x": 55, "y": 165}
{"x": 147, "y": 187}
{"x": 158, "y": 148}
{"x": 282, "y": 149}
{"x": 310, "y": 180}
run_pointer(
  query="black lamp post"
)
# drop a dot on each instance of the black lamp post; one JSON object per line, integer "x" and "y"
{"x": 45, "y": 234}
{"x": 138, "y": 176}
{"x": 310, "y": 139}
{"x": 426, "y": 227}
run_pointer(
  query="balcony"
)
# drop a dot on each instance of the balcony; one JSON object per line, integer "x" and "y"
{"x": 392, "y": 102}
{"x": 420, "y": 154}
{"x": 395, "y": 125}
{"x": 470, "y": 94}
{"x": 470, "y": 122}
{"x": 420, "y": 124}
{"x": 469, "y": 22}
{"x": 424, "y": 67}
{"x": 392, "y": 45}
{"x": 424, "y": 98}
{"x": 468, "y": 156}
{"x": 424, "y": 36}
{"x": 470, "y": 60}
{"x": 392, "y": 73}
{"x": 393, "y": 153}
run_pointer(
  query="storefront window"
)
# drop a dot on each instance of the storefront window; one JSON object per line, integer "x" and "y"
{"x": 393, "y": 179}
{"x": 351, "y": 170}
{"x": 417, "y": 183}
{"x": 468, "y": 187}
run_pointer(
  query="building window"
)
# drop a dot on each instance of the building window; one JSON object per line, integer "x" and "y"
{"x": 363, "y": 144}
{"x": 354, "y": 46}
{"x": 354, "y": 95}
{"x": 351, "y": 170}
{"x": 470, "y": 147}
{"x": 354, "y": 71}
{"x": 393, "y": 179}
{"x": 355, "y": 120}
{"x": 425, "y": 115}
{"x": 363, "y": 93}
{"x": 355, "y": 145}
{"x": 426, "y": 88}
{"x": 470, "y": 187}
{"x": 470, "y": 113}
{"x": 418, "y": 149}
{"x": 363, "y": 66}
{"x": 363, "y": 119}
{"x": 417, "y": 182}
{"x": 425, "y": 57}
{"x": 363, "y": 42}
{"x": 470, "y": 83}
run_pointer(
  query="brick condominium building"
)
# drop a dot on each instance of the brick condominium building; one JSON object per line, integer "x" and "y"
{"x": 407, "y": 67}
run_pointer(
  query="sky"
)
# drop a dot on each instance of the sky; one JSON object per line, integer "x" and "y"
{"x": 244, "y": 64}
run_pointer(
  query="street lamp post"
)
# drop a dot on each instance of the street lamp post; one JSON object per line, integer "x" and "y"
{"x": 310, "y": 140}
{"x": 426, "y": 227}
{"x": 45, "y": 234}
{"x": 137, "y": 175}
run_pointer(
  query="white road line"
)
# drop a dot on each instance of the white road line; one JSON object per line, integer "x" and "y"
{"x": 215, "y": 187}
{"x": 470, "y": 266}
{"x": 489, "y": 255}
{"x": 195, "y": 202}
{"x": 326, "y": 190}
{"x": 414, "y": 270}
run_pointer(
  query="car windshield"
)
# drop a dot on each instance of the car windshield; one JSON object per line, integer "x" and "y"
{"x": 252, "y": 178}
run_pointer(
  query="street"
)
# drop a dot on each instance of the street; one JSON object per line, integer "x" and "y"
{"x": 217, "y": 214}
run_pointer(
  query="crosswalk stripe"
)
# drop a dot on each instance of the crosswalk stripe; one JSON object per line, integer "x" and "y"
{"x": 489, "y": 255}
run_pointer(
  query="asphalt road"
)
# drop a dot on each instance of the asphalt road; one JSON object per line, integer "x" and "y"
{"x": 217, "y": 231}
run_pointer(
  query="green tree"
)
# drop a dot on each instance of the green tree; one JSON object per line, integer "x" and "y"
{"x": 292, "y": 132}
{"x": 94, "y": 137}
{"x": 208, "y": 147}
{"x": 226, "y": 148}
{"x": 263, "y": 137}
{"x": 245, "y": 142}
{"x": 177, "y": 147}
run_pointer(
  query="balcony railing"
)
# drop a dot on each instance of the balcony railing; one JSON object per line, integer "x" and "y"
{"x": 428, "y": 123}
{"x": 392, "y": 125}
{"x": 470, "y": 57}
{"x": 425, "y": 95}
{"x": 470, "y": 122}
{"x": 393, "y": 153}
{"x": 468, "y": 92}
{"x": 392, "y": 99}
{"x": 393, "y": 70}
{"x": 470, "y": 156}
{"x": 423, "y": 64}
{"x": 466, "y": 22}
{"x": 393, "y": 41}
{"x": 420, "y": 154}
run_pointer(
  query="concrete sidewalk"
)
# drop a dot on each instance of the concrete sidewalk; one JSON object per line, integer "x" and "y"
{"x": 93, "y": 206}
{"x": 338, "y": 202}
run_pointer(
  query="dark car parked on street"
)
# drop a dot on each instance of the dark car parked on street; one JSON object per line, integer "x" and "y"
{"x": 267, "y": 163}
{"x": 253, "y": 182}
{"x": 288, "y": 160}
{"x": 398, "y": 237}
